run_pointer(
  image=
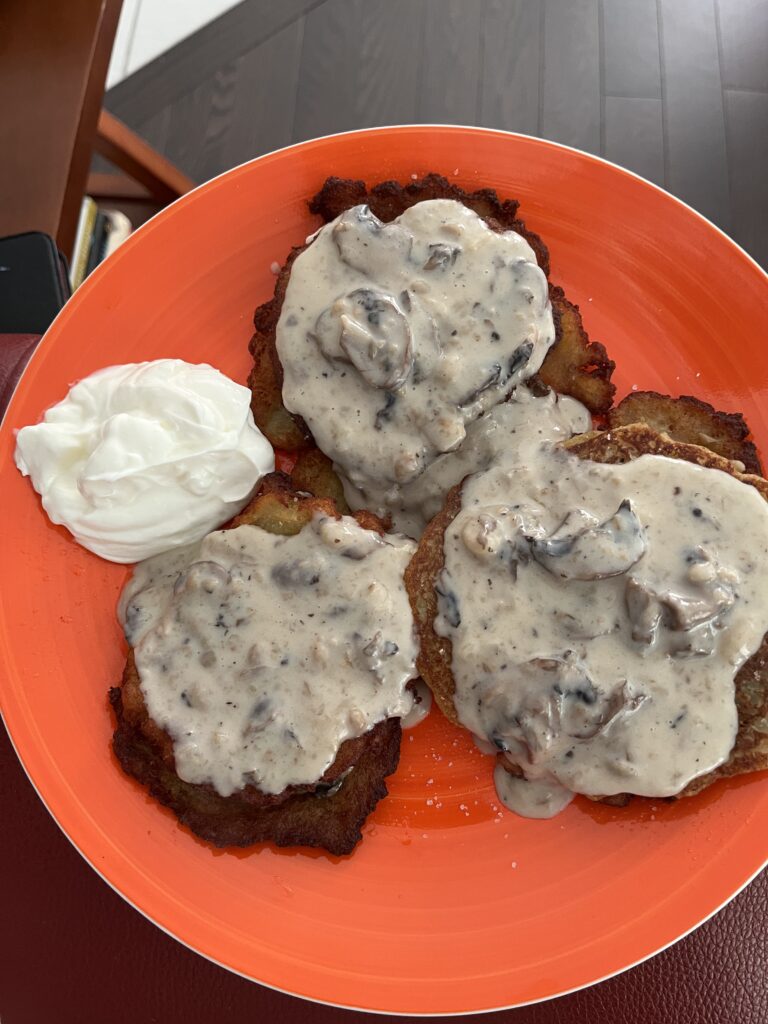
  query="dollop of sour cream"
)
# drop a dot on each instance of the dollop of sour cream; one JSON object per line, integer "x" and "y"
{"x": 145, "y": 457}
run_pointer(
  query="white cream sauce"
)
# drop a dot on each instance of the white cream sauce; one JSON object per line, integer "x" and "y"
{"x": 530, "y": 798}
{"x": 394, "y": 337}
{"x": 522, "y": 420}
{"x": 599, "y": 613}
{"x": 260, "y": 654}
{"x": 422, "y": 705}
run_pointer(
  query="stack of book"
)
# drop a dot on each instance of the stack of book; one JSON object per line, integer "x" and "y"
{"x": 99, "y": 233}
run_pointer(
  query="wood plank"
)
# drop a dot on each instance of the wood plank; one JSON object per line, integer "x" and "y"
{"x": 697, "y": 169}
{"x": 747, "y": 133}
{"x": 512, "y": 38}
{"x": 359, "y": 67}
{"x": 264, "y": 100}
{"x": 198, "y": 58}
{"x": 571, "y": 90}
{"x": 744, "y": 43}
{"x": 631, "y": 49}
{"x": 155, "y": 129}
{"x": 634, "y": 135}
{"x": 244, "y": 109}
{"x": 450, "y": 62}
{"x": 199, "y": 122}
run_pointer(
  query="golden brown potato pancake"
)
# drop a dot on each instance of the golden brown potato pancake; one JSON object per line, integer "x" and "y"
{"x": 312, "y": 815}
{"x": 574, "y": 365}
{"x": 750, "y": 751}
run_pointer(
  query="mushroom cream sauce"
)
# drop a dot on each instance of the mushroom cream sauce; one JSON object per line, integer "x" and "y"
{"x": 597, "y": 614}
{"x": 258, "y": 654}
{"x": 261, "y": 654}
{"x": 393, "y": 337}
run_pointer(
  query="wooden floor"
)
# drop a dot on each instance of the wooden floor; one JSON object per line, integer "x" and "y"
{"x": 676, "y": 90}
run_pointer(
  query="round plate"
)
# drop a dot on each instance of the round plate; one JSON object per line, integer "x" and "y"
{"x": 450, "y": 903}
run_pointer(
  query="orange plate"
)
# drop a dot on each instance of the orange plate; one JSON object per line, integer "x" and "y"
{"x": 449, "y": 904}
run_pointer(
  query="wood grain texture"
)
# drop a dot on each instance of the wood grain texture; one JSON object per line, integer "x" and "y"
{"x": 744, "y": 43}
{"x": 264, "y": 99}
{"x": 243, "y": 110}
{"x": 196, "y": 59}
{"x": 199, "y": 124}
{"x": 510, "y": 93}
{"x": 631, "y": 48}
{"x": 697, "y": 166}
{"x": 450, "y": 62}
{"x": 359, "y": 66}
{"x": 155, "y": 129}
{"x": 747, "y": 133}
{"x": 638, "y": 80}
{"x": 570, "y": 110}
{"x": 634, "y": 135}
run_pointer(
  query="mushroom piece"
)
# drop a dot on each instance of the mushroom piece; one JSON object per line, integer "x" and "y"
{"x": 687, "y": 611}
{"x": 301, "y": 572}
{"x": 323, "y": 789}
{"x": 385, "y": 413}
{"x": 644, "y": 610}
{"x": 368, "y": 329}
{"x": 519, "y": 279}
{"x": 348, "y": 539}
{"x": 696, "y": 613}
{"x": 441, "y": 256}
{"x": 551, "y": 702}
{"x": 365, "y": 243}
{"x": 597, "y": 550}
{"x": 487, "y": 538}
{"x": 447, "y": 601}
{"x": 483, "y": 536}
{"x": 519, "y": 358}
{"x": 491, "y": 379}
{"x": 205, "y": 575}
{"x": 496, "y": 376}
{"x": 261, "y": 715}
{"x": 373, "y": 651}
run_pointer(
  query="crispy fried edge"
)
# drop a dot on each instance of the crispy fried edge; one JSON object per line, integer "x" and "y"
{"x": 574, "y": 365}
{"x": 249, "y": 816}
{"x": 750, "y": 751}
{"x": 692, "y": 421}
{"x": 389, "y": 199}
{"x": 282, "y": 428}
{"x": 331, "y": 821}
{"x": 435, "y": 652}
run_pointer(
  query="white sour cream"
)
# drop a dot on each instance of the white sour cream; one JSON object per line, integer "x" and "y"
{"x": 141, "y": 458}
